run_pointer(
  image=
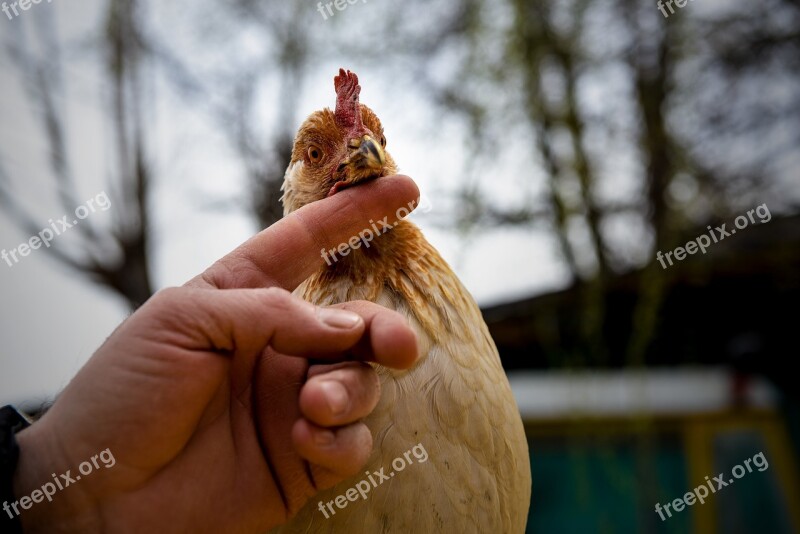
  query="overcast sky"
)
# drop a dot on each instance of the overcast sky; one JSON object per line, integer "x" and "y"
{"x": 52, "y": 319}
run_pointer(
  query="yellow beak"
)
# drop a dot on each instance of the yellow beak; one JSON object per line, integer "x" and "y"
{"x": 366, "y": 160}
{"x": 367, "y": 154}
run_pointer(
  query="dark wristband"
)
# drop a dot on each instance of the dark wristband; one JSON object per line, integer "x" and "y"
{"x": 11, "y": 422}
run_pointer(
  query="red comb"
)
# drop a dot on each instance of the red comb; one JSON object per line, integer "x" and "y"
{"x": 348, "y": 112}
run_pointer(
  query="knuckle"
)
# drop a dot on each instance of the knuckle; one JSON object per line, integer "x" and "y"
{"x": 363, "y": 387}
{"x": 167, "y": 298}
{"x": 277, "y": 297}
{"x": 166, "y": 311}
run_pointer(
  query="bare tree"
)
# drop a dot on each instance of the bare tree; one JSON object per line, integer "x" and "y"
{"x": 115, "y": 257}
{"x": 516, "y": 69}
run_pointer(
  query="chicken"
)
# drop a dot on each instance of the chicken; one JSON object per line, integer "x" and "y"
{"x": 455, "y": 404}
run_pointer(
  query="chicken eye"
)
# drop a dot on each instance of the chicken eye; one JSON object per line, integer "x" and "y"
{"x": 383, "y": 141}
{"x": 314, "y": 154}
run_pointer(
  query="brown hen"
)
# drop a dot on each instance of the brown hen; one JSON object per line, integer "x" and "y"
{"x": 455, "y": 404}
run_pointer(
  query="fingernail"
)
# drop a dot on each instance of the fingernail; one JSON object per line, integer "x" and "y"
{"x": 323, "y": 437}
{"x": 338, "y": 318}
{"x": 336, "y": 396}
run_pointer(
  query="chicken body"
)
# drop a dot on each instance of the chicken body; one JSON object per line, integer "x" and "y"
{"x": 455, "y": 402}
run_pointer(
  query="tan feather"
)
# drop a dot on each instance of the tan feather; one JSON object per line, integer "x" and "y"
{"x": 456, "y": 401}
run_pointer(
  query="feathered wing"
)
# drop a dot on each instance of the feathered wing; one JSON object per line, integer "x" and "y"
{"x": 456, "y": 402}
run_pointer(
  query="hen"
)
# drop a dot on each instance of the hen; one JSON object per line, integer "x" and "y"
{"x": 455, "y": 404}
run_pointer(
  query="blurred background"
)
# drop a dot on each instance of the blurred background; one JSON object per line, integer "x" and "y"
{"x": 562, "y": 145}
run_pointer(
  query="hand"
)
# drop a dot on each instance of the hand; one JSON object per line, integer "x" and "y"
{"x": 206, "y": 401}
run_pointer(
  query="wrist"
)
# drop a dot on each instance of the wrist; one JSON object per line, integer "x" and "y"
{"x": 11, "y": 422}
{"x": 44, "y": 503}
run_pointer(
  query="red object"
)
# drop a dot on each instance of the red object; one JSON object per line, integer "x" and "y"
{"x": 348, "y": 112}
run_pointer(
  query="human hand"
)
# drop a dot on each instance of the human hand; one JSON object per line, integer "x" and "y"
{"x": 206, "y": 400}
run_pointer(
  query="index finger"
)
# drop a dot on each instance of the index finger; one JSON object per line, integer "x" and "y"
{"x": 290, "y": 250}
